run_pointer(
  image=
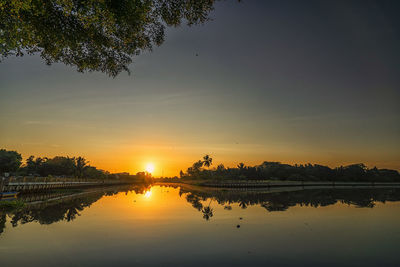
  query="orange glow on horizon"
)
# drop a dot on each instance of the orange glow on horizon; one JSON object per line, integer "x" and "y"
{"x": 168, "y": 162}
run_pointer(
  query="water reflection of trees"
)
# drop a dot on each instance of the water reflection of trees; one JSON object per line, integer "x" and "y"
{"x": 208, "y": 212}
{"x": 66, "y": 209}
{"x": 3, "y": 220}
{"x": 281, "y": 201}
{"x": 51, "y": 213}
{"x": 196, "y": 202}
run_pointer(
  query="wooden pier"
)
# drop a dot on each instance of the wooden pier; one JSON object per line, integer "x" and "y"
{"x": 37, "y": 184}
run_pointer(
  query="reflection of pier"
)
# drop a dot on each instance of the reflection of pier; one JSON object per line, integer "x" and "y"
{"x": 49, "y": 207}
{"x": 48, "y": 196}
{"x": 55, "y": 197}
{"x": 52, "y": 206}
{"x": 45, "y": 183}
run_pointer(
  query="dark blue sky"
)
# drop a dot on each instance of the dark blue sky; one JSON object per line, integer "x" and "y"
{"x": 291, "y": 81}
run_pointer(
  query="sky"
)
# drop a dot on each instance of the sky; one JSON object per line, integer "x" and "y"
{"x": 288, "y": 81}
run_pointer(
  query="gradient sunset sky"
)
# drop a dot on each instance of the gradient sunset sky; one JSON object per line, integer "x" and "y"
{"x": 289, "y": 81}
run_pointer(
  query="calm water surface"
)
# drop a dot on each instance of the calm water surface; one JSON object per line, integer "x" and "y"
{"x": 165, "y": 226}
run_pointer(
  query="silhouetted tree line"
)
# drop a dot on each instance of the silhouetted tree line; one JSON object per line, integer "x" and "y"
{"x": 279, "y": 171}
{"x": 60, "y": 166}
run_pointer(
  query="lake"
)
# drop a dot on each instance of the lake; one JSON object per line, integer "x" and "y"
{"x": 193, "y": 226}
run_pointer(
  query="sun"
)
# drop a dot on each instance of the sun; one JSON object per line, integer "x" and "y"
{"x": 150, "y": 167}
{"x": 147, "y": 194}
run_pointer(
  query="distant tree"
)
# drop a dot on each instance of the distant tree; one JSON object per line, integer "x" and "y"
{"x": 240, "y": 166}
{"x": 197, "y": 165}
{"x": 93, "y": 172}
{"x": 30, "y": 165}
{"x": 58, "y": 166}
{"x": 39, "y": 167}
{"x": 207, "y": 161}
{"x": 220, "y": 168}
{"x": 195, "y": 169}
{"x": 80, "y": 164}
{"x": 10, "y": 161}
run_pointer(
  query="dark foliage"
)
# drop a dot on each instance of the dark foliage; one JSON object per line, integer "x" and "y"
{"x": 279, "y": 171}
{"x": 9, "y": 161}
{"x": 92, "y": 35}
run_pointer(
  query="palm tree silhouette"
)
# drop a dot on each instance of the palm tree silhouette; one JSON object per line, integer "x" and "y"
{"x": 207, "y": 161}
{"x": 207, "y": 211}
{"x": 81, "y": 163}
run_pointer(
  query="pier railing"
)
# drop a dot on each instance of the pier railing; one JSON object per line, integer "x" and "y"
{"x": 23, "y": 184}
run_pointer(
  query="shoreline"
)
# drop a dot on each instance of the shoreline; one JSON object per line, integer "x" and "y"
{"x": 277, "y": 184}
